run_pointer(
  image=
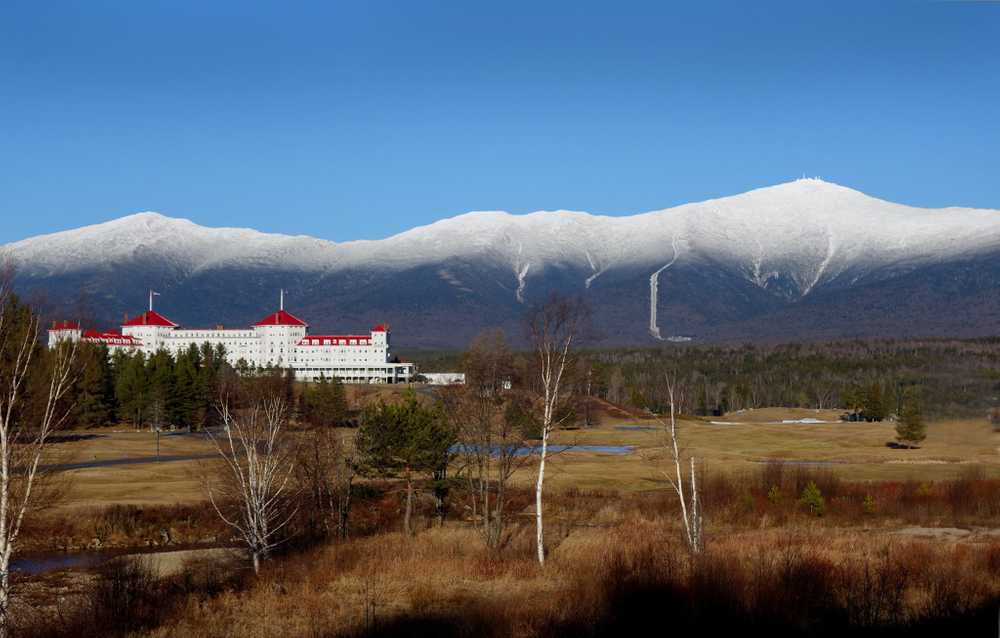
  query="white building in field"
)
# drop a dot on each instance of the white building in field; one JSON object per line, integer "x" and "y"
{"x": 280, "y": 339}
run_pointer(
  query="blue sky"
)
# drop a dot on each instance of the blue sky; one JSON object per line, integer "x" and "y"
{"x": 362, "y": 119}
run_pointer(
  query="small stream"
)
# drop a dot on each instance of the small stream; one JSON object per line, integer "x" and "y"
{"x": 44, "y": 563}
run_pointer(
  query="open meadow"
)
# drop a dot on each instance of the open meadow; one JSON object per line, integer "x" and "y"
{"x": 903, "y": 539}
{"x": 125, "y": 470}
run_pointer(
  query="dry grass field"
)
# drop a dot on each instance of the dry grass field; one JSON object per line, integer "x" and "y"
{"x": 734, "y": 444}
{"x": 738, "y": 444}
{"x": 143, "y": 482}
{"x": 907, "y": 543}
{"x": 612, "y": 577}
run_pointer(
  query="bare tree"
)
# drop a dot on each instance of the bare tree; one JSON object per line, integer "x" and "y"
{"x": 23, "y": 433}
{"x": 253, "y": 492}
{"x": 552, "y": 328}
{"x": 325, "y": 470}
{"x": 493, "y": 424}
{"x": 690, "y": 506}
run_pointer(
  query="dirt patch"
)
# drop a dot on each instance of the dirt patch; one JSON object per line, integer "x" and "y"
{"x": 940, "y": 533}
{"x": 166, "y": 564}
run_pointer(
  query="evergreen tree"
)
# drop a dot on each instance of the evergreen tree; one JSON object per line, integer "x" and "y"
{"x": 207, "y": 387}
{"x": 186, "y": 391}
{"x": 132, "y": 389}
{"x": 911, "y": 429}
{"x": 702, "y": 409}
{"x": 162, "y": 390}
{"x": 874, "y": 405}
{"x": 853, "y": 397}
{"x": 407, "y": 440}
{"x": 95, "y": 387}
{"x": 323, "y": 403}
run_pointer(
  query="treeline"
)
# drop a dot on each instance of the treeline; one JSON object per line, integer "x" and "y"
{"x": 870, "y": 379}
{"x": 183, "y": 391}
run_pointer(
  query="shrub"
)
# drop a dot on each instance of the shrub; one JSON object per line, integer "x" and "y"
{"x": 126, "y": 596}
{"x": 868, "y": 505}
{"x": 774, "y": 495}
{"x": 813, "y": 500}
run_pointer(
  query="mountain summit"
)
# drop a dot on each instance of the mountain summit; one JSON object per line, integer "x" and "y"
{"x": 805, "y": 259}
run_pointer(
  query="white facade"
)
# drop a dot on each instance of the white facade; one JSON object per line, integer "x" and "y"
{"x": 444, "y": 378}
{"x": 280, "y": 339}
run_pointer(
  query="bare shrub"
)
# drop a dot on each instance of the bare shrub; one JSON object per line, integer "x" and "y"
{"x": 126, "y": 597}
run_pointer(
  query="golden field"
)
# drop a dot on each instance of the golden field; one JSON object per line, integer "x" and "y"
{"x": 734, "y": 444}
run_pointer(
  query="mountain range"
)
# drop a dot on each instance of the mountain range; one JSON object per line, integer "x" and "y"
{"x": 803, "y": 260}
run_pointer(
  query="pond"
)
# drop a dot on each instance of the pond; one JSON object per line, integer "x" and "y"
{"x": 34, "y": 565}
{"x": 553, "y": 449}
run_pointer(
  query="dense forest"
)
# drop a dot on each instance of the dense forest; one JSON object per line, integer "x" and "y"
{"x": 165, "y": 391}
{"x": 954, "y": 378}
{"x": 869, "y": 379}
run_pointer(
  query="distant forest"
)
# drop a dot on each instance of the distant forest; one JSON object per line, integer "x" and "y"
{"x": 955, "y": 378}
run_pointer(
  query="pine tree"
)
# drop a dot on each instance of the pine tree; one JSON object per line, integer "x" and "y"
{"x": 702, "y": 401}
{"x": 874, "y": 405}
{"x": 812, "y": 499}
{"x": 186, "y": 389}
{"x": 324, "y": 403}
{"x": 162, "y": 391}
{"x": 95, "y": 388}
{"x": 207, "y": 387}
{"x": 132, "y": 388}
{"x": 407, "y": 440}
{"x": 911, "y": 429}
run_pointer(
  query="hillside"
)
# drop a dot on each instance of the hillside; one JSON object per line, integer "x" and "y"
{"x": 802, "y": 260}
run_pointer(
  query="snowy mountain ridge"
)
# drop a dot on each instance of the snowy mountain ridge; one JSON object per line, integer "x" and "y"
{"x": 703, "y": 267}
{"x": 809, "y": 231}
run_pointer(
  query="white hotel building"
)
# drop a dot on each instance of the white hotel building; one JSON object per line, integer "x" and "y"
{"x": 280, "y": 339}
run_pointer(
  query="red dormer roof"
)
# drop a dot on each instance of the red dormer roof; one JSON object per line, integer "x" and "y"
{"x": 150, "y": 318}
{"x": 111, "y": 338}
{"x": 381, "y": 328}
{"x": 336, "y": 340}
{"x": 281, "y": 318}
{"x": 64, "y": 325}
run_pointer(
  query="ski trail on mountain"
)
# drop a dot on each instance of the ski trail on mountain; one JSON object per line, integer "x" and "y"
{"x": 830, "y": 249}
{"x": 597, "y": 271}
{"x": 521, "y": 284}
{"x": 654, "y": 291}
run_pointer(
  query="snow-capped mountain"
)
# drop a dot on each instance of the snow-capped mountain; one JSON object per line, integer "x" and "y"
{"x": 806, "y": 259}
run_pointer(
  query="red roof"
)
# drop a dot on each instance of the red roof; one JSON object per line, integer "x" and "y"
{"x": 113, "y": 338}
{"x": 281, "y": 318}
{"x": 150, "y": 318}
{"x": 336, "y": 340}
{"x": 381, "y": 328}
{"x": 64, "y": 325}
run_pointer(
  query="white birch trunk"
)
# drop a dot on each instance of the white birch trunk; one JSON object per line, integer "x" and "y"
{"x": 690, "y": 517}
{"x": 22, "y": 444}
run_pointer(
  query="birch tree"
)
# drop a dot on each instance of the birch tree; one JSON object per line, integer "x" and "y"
{"x": 253, "y": 493}
{"x": 552, "y": 328}
{"x": 691, "y": 516}
{"x": 24, "y": 433}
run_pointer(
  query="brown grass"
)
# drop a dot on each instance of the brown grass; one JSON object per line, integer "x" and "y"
{"x": 856, "y": 451}
{"x": 606, "y": 581}
{"x": 615, "y": 565}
